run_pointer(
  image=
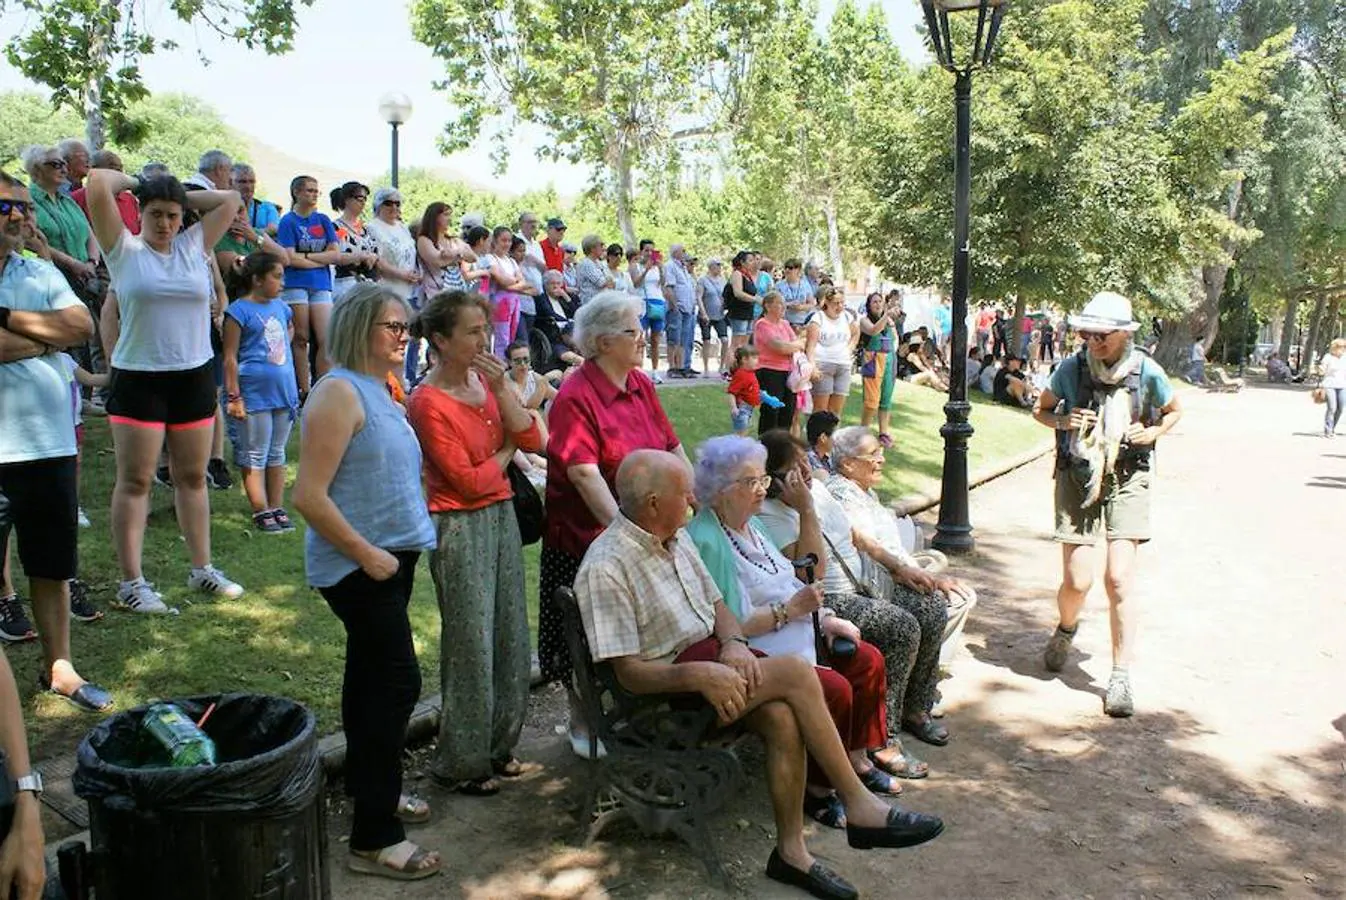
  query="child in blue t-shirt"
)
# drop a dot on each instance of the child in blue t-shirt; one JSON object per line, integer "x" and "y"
{"x": 260, "y": 386}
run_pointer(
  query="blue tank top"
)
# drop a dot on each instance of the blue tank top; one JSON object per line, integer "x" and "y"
{"x": 377, "y": 486}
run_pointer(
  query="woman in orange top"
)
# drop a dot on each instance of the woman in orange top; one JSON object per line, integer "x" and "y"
{"x": 469, "y": 424}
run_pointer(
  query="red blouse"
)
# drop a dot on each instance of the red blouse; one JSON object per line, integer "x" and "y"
{"x": 595, "y": 422}
{"x": 458, "y": 441}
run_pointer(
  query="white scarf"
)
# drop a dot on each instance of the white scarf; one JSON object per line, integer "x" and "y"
{"x": 1100, "y": 444}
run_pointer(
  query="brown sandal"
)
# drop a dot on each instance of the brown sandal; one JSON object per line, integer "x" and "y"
{"x": 400, "y": 862}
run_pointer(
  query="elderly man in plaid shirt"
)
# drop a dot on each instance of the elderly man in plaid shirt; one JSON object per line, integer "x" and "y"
{"x": 651, "y": 609}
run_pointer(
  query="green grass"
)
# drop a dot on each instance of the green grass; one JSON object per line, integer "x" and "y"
{"x": 280, "y": 637}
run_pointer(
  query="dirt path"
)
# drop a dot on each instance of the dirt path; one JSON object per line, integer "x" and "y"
{"x": 1227, "y": 783}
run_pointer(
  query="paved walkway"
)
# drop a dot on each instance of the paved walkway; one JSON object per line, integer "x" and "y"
{"x": 1227, "y": 783}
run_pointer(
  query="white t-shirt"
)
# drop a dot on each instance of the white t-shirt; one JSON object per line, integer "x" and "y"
{"x": 834, "y": 338}
{"x": 164, "y": 303}
{"x": 1334, "y": 371}
{"x": 766, "y": 577}
{"x": 650, "y": 281}
{"x": 397, "y": 248}
{"x": 532, "y": 250}
{"x": 781, "y": 524}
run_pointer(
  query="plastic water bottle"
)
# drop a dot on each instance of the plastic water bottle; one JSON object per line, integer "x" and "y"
{"x": 185, "y": 744}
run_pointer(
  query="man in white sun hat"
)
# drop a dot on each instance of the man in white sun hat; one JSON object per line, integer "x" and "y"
{"x": 1109, "y": 403}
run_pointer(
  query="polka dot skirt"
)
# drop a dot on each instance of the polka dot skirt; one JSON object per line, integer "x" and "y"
{"x": 557, "y": 570}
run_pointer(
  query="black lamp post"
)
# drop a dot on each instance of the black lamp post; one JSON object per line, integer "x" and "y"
{"x": 954, "y": 532}
{"x": 395, "y": 109}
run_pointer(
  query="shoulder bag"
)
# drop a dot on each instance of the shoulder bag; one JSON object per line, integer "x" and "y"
{"x": 528, "y": 508}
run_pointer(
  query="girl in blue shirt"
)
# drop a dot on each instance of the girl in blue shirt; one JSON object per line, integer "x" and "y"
{"x": 260, "y": 386}
{"x": 311, "y": 240}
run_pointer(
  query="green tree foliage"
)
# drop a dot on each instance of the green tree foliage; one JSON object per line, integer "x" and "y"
{"x": 88, "y": 52}
{"x": 620, "y": 86}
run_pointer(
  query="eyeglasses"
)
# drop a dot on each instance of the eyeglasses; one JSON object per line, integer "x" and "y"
{"x": 9, "y": 207}
{"x": 54, "y": 163}
{"x": 876, "y": 457}
{"x": 755, "y": 482}
{"x": 396, "y": 329}
{"x": 1096, "y": 335}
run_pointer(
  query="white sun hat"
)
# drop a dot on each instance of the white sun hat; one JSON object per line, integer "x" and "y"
{"x": 1105, "y": 311}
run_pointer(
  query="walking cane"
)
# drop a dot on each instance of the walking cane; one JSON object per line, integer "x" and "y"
{"x": 841, "y": 648}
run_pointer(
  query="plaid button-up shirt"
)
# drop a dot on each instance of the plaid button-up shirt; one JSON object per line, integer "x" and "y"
{"x": 641, "y": 598}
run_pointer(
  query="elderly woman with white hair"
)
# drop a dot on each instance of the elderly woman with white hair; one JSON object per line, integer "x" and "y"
{"x": 592, "y": 274}
{"x": 777, "y": 611}
{"x": 73, "y": 248}
{"x": 938, "y": 603}
{"x": 604, "y": 411}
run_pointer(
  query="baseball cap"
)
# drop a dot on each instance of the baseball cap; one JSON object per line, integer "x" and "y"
{"x": 556, "y": 223}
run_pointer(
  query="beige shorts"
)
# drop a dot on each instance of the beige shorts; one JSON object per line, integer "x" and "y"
{"x": 1124, "y": 508}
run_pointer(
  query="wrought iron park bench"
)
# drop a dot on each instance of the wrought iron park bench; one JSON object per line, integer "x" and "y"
{"x": 661, "y": 770}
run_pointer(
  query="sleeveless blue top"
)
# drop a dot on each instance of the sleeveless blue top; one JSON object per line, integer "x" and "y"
{"x": 377, "y": 486}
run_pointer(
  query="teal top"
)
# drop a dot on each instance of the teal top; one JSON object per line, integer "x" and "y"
{"x": 377, "y": 486}
{"x": 718, "y": 556}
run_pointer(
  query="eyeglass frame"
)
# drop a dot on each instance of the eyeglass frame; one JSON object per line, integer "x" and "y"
{"x": 396, "y": 329}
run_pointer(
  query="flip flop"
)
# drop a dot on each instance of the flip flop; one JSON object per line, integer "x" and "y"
{"x": 880, "y": 782}
{"x": 927, "y": 730}
{"x": 403, "y": 861}
{"x": 826, "y": 810}
{"x": 485, "y": 786}
{"x": 512, "y": 768}
{"x": 909, "y": 768}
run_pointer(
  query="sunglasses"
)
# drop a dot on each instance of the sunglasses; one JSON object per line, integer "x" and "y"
{"x": 396, "y": 329}
{"x": 9, "y": 207}
{"x": 54, "y": 163}
{"x": 361, "y": 197}
{"x": 519, "y": 361}
{"x": 1096, "y": 335}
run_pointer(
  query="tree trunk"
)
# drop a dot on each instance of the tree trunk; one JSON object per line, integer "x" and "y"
{"x": 619, "y": 158}
{"x": 95, "y": 125}
{"x": 1331, "y": 326}
{"x": 1174, "y": 351}
{"x": 1288, "y": 327}
{"x": 1310, "y": 350}
{"x": 834, "y": 241}
{"x": 1017, "y": 328}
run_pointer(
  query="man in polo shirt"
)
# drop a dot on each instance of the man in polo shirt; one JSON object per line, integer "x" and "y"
{"x": 262, "y": 216}
{"x": 38, "y": 498}
{"x": 652, "y": 610}
{"x": 552, "y": 252}
{"x": 680, "y": 292}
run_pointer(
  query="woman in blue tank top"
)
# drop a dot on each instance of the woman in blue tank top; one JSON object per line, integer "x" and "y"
{"x": 359, "y": 488}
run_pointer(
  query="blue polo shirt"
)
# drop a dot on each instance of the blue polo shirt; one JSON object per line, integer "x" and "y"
{"x": 35, "y": 419}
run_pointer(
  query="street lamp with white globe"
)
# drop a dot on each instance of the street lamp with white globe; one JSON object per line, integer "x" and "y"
{"x": 395, "y": 109}
{"x": 954, "y": 532}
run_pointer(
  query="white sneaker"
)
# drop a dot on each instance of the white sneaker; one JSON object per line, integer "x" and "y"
{"x": 656, "y": 377}
{"x": 139, "y": 596}
{"x": 581, "y": 744}
{"x": 82, "y": 519}
{"x": 212, "y": 581}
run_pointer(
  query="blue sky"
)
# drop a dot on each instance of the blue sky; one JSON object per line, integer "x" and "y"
{"x": 320, "y": 102}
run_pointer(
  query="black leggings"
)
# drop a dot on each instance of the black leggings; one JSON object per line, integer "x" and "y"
{"x": 380, "y": 689}
{"x": 772, "y": 381}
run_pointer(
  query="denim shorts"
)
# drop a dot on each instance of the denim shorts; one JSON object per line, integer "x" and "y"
{"x": 740, "y": 327}
{"x": 305, "y": 296}
{"x": 835, "y": 378}
{"x": 262, "y": 437}
{"x": 741, "y": 418}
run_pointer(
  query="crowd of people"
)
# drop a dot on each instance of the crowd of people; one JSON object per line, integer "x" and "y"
{"x": 455, "y": 367}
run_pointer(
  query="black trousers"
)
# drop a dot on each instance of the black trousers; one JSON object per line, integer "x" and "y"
{"x": 380, "y": 689}
{"x": 773, "y": 382}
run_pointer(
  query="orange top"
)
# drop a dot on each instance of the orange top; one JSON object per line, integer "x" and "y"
{"x": 458, "y": 441}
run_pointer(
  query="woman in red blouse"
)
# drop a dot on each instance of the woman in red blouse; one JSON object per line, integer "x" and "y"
{"x": 602, "y": 412}
{"x": 469, "y": 424}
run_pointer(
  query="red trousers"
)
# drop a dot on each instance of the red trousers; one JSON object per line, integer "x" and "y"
{"x": 854, "y": 689}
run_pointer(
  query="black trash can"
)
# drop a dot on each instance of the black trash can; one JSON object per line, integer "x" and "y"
{"x": 252, "y": 827}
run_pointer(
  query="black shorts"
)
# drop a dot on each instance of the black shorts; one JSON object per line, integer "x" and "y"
{"x": 173, "y": 400}
{"x": 720, "y": 327}
{"x": 39, "y": 501}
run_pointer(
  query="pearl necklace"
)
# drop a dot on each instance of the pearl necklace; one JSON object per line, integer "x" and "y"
{"x": 738, "y": 548}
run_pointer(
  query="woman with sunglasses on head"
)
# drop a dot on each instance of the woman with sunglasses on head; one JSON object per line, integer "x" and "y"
{"x": 360, "y": 252}
{"x": 310, "y": 239}
{"x": 1109, "y": 404}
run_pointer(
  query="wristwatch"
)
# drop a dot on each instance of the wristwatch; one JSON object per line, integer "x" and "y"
{"x": 30, "y": 782}
{"x": 736, "y": 637}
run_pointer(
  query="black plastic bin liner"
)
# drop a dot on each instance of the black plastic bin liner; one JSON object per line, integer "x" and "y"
{"x": 266, "y": 751}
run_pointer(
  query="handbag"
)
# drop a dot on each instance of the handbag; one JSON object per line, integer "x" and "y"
{"x": 1319, "y": 395}
{"x": 869, "y": 368}
{"x": 862, "y": 589}
{"x": 528, "y": 508}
